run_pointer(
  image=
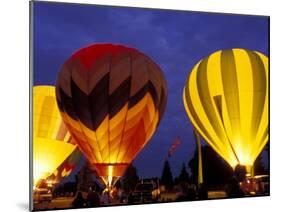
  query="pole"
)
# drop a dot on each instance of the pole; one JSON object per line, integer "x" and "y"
{"x": 200, "y": 168}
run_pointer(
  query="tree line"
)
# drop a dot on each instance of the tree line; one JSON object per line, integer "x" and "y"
{"x": 216, "y": 173}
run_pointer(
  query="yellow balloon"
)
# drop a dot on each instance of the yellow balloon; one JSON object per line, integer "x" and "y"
{"x": 51, "y": 140}
{"x": 226, "y": 99}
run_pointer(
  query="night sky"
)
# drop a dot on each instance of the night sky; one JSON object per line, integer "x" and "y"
{"x": 175, "y": 40}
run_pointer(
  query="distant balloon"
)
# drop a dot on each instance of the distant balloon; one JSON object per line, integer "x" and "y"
{"x": 51, "y": 140}
{"x": 226, "y": 99}
{"x": 111, "y": 98}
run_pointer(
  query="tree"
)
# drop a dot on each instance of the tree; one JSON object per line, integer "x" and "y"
{"x": 184, "y": 176}
{"x": 130, "y": 179}
{"x": 167, "y": 177}
{"x": 259, "y": 166}
{"x": 70, "y": 187}
{"x": 216, "y": 171}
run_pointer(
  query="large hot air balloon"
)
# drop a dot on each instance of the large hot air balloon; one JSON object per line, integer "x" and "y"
{"x": 226, "y": 99}
{"x": 111, "y": 98}
{"x": 52, "y": 143}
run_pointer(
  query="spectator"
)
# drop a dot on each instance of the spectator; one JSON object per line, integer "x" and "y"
{"x": 191, "y": 192}
{"x": 93, "y": 198}
{"x": 234, "y": 189}
{"x": 105, "y": 198}
{"x": 202, "y": 192}
{"x": 79, "y": 201}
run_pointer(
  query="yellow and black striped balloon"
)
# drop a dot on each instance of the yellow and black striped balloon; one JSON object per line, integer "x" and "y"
{"x": 226, "y": 99}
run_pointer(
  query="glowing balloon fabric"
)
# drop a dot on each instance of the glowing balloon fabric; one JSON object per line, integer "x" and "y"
{"x": 65, "y": 169}
{"x": 51, "y": 140}
{"x": 226, "y": 99}
{"x": 111, "y": 98}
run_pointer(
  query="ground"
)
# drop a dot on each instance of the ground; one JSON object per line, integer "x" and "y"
{"x": 61, "y": 202}
{"x": 65, "y": 202}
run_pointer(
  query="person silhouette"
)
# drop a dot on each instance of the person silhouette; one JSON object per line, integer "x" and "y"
{"x": 105, "y": 198}
{"x": 93, "y": 198}
{"x": 202, "y": 192}
{"x": 79, "y": 201}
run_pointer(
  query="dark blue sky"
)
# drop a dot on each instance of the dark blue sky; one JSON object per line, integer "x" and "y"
{"x": 175, "y": 40}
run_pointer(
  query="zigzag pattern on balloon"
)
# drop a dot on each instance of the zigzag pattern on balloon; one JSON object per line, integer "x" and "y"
{"x": 111, "y": 98}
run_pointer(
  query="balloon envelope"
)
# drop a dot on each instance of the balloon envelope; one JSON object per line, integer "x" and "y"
{"x": 111, "y": 98}
{"x": 226, "y": 99}
{"x": 51, "y": 140}
{"x": 66, "y": 167}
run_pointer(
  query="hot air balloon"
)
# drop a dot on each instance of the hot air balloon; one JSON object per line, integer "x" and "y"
{"x": 52, "y": 143}
{"x": 226, "y": 99}
{"x": 111, "y": 99}
{"x": 65, "y": 169}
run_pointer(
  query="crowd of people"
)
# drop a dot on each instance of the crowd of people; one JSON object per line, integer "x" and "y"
{"x": 93, "y": 199}
{"x": 187, "y": 192}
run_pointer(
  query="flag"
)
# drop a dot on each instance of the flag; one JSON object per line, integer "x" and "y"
{"x": 174, "y": 146}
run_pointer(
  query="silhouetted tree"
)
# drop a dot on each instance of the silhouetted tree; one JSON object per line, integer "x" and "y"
{"x": 130, "y": 179}
{"x": 167, "y": 177}
{"x": 70, "y": 187}
{"x": 184, "y": 176}
{"x": 216, "y": 171}
{"x": 259, "y": 166}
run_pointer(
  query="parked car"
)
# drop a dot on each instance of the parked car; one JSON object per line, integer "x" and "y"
{"x": 263, "y": 181}
{"x": 42, "y": 195}
{"x": 255, "y": 185}
{"x": 146, "y": 191}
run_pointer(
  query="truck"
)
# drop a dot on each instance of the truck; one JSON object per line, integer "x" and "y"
{"x": 146, "y": 190}
{"x": 42, "y": 195}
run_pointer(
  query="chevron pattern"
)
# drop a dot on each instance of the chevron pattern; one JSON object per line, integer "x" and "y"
{"x": 111, "y": 99}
